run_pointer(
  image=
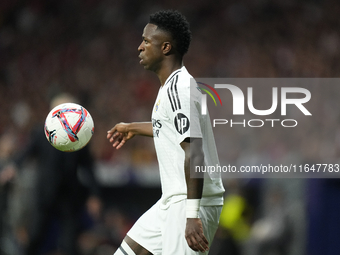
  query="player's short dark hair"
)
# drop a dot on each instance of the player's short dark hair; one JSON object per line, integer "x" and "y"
{"x": 177, "y": 25}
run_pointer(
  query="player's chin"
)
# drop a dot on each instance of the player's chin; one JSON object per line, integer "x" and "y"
{"x": 146, "y": 67}
{"x": 144, "y": 63}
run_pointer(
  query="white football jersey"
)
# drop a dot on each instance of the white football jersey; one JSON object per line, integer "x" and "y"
{"x": 173, "y": 122}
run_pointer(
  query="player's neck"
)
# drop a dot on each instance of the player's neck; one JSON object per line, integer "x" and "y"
{"x": 167, "y": 70}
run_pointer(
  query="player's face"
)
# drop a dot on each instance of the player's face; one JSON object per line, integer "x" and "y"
{"x": 150, "y": 50}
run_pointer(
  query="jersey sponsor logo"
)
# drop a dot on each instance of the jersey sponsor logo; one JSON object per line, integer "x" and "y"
{"x": 156, "y": 123}
{"x": 173, "y": 95}
{"x": 181, "y": 123}
{"x": 156, "y": 126}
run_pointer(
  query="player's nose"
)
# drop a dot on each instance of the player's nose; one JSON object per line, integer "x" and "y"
{"x": 140, "y": 47}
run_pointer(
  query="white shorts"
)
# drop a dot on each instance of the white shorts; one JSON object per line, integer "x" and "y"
{"x": 163, "y": 231}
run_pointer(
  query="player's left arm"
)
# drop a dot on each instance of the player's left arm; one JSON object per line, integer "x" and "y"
{"x": 194, "y": 230}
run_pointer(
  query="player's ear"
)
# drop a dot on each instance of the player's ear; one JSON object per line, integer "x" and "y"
{"x": 166, "y": 47}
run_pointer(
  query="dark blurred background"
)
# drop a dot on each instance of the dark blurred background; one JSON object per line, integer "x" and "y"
{"x": 89, "y": 50}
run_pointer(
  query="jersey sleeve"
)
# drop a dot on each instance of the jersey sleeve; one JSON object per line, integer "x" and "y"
{"x": 184, "y": 109}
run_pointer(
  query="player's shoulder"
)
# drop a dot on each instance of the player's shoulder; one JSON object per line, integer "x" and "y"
{"x": 177, "y": 88}
{"x": 183, "y": 85}
{"x": 184, "y": 77}
{"x": 188, "y": 84}
{"x": 180, "y": 80}
{"x": 179, "y": 76}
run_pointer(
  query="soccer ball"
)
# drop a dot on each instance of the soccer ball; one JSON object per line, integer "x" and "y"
{"x": 69, "y": 127}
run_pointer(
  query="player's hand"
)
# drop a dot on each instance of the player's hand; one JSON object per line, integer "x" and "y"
{"x": 194, "y": 235}
{"x": 119, "y": 134}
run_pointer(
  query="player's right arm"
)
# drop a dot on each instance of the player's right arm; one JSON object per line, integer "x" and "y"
{"x": 122, "y": 132}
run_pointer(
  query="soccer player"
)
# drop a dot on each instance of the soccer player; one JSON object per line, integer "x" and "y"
{"x": 186, "y": 217}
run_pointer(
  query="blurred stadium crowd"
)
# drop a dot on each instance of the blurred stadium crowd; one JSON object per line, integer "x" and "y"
{"x": 89, "y": 49}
